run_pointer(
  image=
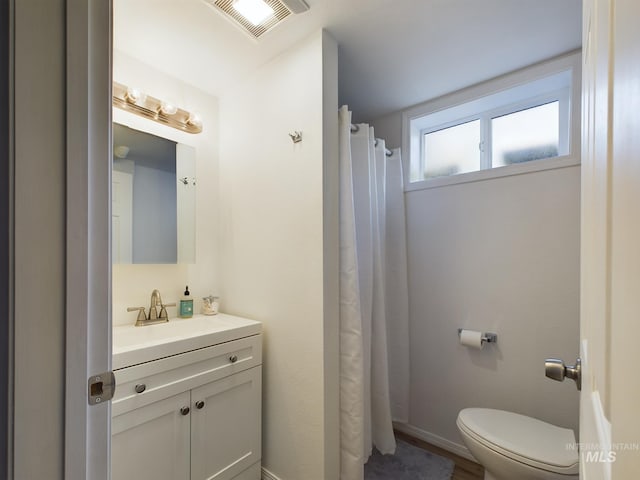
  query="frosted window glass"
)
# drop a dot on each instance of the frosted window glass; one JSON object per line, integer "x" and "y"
{"x": 526, "y": 135}
{"x": 452, "y": 150}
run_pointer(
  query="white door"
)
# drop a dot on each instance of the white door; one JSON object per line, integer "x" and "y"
{"x": 610, "y": 265}
{"x": 152, "y": 442}
{"x": 88, "y": 260}
{"x": 121, "y": 216}
{"x": 225, "y": 426}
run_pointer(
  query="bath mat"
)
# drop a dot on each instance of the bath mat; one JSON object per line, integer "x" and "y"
{"x": 408, "y": 463}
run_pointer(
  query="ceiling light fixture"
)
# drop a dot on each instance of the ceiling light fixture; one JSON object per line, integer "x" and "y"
{"x": 134, "y": 101}
{"x": 257, "y": 17}
{"x": 296, "y": 6}
{"x": 256, "y": 11}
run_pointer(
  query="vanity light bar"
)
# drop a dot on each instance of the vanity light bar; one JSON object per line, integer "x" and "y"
{"x": 134, "y": 101}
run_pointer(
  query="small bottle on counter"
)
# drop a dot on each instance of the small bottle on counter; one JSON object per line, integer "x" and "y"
{"x": 186, "y": 304}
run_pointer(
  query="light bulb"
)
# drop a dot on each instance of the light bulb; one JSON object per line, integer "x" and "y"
{"x": 256, "y": 11}
{"x": 194, "y": 119}
{"x": 134, "y": 96}
{"x": 168, "y": 108}
{"x": 121, "y": 151}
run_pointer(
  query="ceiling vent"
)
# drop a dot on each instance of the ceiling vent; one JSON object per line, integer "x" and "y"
{"x": 281, "y": 9}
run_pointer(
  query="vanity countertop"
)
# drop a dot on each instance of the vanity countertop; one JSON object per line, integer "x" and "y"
{"x": 134, "y": 345}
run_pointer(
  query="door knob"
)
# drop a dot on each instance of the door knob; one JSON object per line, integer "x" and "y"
{"x": 184, "y": 410}
{"x": 555, "y": 369}
{"x": 200, "y": 405}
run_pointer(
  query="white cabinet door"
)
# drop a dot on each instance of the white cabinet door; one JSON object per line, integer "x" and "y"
{"x": 152, "y": 442}
{"x": 225, "y": 428}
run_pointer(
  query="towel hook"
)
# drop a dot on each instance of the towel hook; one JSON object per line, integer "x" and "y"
{"x": 296, "y": 136}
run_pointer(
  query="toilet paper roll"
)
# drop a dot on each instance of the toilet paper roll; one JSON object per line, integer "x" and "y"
{"x": 471, "y": 338}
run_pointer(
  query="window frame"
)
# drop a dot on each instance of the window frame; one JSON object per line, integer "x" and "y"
{"x": 468, "y": 105}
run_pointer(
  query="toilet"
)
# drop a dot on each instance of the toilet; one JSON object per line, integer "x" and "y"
{"x": 515, "y": 447}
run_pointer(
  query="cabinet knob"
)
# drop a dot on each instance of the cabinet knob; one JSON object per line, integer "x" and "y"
{"x": 199, "y": 404}
{"x": 184, "y": 410}
{"x": 141, "y": 387}
{"x": 233, "y": 358}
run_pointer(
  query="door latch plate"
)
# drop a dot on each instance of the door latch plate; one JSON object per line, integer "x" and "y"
{"x": 101, "y": 388}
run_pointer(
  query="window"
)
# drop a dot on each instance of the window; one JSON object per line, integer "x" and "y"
{"x": 526, "y": 135}
{"x": 452, "y": 150}
{"x": 502, "y": 124}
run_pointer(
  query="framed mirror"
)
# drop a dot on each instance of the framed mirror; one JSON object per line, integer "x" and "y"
{"x": 153, "y": 198}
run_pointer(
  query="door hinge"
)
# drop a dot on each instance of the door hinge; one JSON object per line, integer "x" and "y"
{"x": 101, "y": 388}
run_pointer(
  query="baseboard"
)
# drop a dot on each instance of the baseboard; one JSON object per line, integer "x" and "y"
{"x": 267, "y": 475}
{"x": 433, "y": 439}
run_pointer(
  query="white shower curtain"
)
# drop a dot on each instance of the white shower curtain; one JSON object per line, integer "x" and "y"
{"x": 370, "y": 189}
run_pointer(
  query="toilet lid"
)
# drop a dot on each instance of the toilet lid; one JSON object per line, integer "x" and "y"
{"x": 524, "y": 439}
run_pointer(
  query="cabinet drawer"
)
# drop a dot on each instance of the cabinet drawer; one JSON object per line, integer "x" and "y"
{"x": 149, "y": 382}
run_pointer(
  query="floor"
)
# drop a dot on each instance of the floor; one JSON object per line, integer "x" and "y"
{"x": 464, "y": 469}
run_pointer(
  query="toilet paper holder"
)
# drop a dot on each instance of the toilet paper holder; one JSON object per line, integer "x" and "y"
{"x": 487, "y": 337}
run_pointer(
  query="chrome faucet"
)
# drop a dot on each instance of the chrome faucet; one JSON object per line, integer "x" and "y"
{"x": 153, "y": 317}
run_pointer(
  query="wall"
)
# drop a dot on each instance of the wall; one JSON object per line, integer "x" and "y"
{"x": 39, "y": 241}
{"x": 389, "y": 127}
{"x": 6, "y": 189}
{"x": 498, "y": 255}
{"x": 132, "y": 284}
{"x": 278, "y": 247}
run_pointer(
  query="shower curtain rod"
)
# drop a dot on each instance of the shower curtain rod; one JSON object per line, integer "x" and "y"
{"x": 356, "y": 128}
{"x": 387, "y": 152}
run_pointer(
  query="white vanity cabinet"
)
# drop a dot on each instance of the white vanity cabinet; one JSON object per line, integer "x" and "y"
{"x": 192, "y": 416}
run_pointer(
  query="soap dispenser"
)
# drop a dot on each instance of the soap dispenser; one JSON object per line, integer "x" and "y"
{"x": 186, "y": 304}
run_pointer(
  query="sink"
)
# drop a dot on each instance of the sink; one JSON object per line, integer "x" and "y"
{"x": 134, "y": 345}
